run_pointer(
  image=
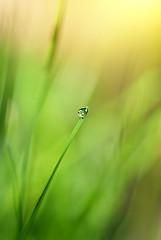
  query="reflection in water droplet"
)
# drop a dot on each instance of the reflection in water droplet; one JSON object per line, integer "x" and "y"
{"x": 82, "y": 112}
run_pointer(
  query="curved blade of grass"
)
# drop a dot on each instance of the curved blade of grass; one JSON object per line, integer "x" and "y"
{"x": 28, "y": 225}
{"x": 48, "y": 79}
{"x": 56, "y": 34}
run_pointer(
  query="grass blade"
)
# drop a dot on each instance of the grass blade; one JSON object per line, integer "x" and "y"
{"x": 28, "y": 225}
{"x": 58, "y": 24}
{"x": 47, "y": 84}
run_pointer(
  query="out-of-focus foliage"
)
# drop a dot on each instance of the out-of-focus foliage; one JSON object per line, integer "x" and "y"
{"x": 108, "y": 56}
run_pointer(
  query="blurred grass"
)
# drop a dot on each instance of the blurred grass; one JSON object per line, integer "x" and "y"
{"x": 108, "y": 187}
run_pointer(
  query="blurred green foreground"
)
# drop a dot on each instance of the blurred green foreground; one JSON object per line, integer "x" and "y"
{"x": 55, "y": 59}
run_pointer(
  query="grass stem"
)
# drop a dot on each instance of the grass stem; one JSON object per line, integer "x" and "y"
{"x": 28, "y": 225}
{"x": 48, "y": 79}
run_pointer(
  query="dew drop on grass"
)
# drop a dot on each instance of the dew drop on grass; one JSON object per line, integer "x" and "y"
{"x": 82, "y": 112}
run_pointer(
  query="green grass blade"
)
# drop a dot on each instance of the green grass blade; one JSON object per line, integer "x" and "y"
{"x": 56, "y": 33}
{"x": 27, "y": 227}
{"x": 48, "y": 79}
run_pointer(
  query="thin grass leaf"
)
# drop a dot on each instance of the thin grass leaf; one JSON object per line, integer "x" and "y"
{"x": 56, "y": 33}
{"x": 48, "y": 79}
{"x": 28, "y": 225}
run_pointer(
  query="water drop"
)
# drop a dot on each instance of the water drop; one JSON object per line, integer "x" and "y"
{"x": 82, "y": 112}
